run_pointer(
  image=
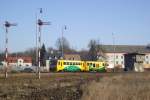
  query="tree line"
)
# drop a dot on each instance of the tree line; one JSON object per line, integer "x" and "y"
{"x": 50, "y": 53}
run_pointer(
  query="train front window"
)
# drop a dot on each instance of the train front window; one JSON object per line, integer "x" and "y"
{"x": 90, "y": 64}
{"x": 65, "y": 63}
{"x": 87, "y": 64}
{"x": 103, "y": 64}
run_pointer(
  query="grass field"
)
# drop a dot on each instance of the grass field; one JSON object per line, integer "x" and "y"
{"x": 76, "y": 86}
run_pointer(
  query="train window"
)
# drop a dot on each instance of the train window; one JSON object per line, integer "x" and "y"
{"x": 103, "y": 64}
{"x": 67, "y": 63}
{"x": 74, "y": 63}
{"x": 93, "y": 65}
{"x": 70, "y": 63}
{"x": 64, "y": 63}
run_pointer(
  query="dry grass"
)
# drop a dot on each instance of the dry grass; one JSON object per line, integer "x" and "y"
{"x": 51, "y": 86}
{"x": 76, "y": 86}
{"x": 127, "y": 86}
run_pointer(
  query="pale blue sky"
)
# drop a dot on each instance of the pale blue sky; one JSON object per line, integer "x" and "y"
{"x": 129, "y": 20}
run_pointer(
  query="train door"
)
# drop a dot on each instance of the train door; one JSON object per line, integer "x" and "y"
{"x": 84, "y": 66}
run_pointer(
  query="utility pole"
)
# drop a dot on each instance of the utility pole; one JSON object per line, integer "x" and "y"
{"x": 7, "y": 25}
{"x": 114, "y": 49}
{"x": 62, "y": 41}
{"x": 40, "y": 24}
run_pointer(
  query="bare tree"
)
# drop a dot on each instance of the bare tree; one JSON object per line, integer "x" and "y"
{"x": 92, "y": 50}
{"x": 96, "y": 51}
{"x": 65, "y": 44}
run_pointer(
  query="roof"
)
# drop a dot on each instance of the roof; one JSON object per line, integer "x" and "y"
{"x": 126, "y": 48}
{"x": 26, "y": 59}
{"x": 72, "y": 56}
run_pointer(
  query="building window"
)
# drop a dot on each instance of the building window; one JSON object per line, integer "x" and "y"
{"x": 147, "y": 62}
{"x": 122, "y": 62}
{"x": 116, "y": 57}
{"x": 121, "y": 57}
{"x": 146, "y": 57}
{"x": 116, "y": 62}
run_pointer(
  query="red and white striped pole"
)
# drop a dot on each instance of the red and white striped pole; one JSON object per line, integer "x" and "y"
{"x": 7, "y": 25}
{"x": 6, "y": 53}
{"x": 39, "y": 49}
{"x": 40, "y": 23}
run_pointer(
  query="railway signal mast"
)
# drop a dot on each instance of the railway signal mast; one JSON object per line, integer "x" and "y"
{"x": 7, "y": 25}
{"x": 40, "y": 24}
{"x": 37, "y": 15}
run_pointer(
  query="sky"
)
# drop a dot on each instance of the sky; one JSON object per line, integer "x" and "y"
{"x": 128, "y": 20}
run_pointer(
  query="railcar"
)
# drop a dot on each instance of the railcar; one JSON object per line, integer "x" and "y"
{"x": 97, "y": 66}
{"x": 70, "y": 65}
{"x": 83, "y": 66}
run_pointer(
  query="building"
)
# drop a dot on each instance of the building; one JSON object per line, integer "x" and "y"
{"x": 19, "y": 61}
{"x": 72, "y": 57}
{"x": 134, "y": 62}
{"x": 115, "y": 54}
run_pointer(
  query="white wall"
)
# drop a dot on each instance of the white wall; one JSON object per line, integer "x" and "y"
{"x": 119, "y": 59}
{"x": 20, "y": 62}
{"x": 147, "y": 60}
